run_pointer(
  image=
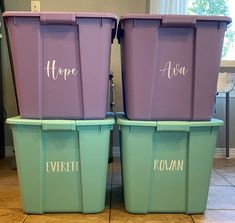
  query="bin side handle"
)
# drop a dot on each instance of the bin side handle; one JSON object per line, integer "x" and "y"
{"x": 50, "y": 125}
{"x": 172, "y": 20}
{"x": 182, "y": 127}
{"x": 56, "y": 18}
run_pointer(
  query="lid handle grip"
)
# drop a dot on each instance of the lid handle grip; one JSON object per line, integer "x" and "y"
{"x": 169, "y": 127}
{"x": 55, "y": 18}
{"x": 171, "y": 20}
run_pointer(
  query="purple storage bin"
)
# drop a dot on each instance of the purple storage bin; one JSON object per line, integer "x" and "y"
{"x": 61, "y": 63}
{"x": 170, "y": 65}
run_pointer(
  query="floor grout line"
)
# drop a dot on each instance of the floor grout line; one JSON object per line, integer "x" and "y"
{"x": 111, "y": 193}
{"x": 222, "y": 177}
{"x": 25, "y": 219}
{"x": 192, "y": 218}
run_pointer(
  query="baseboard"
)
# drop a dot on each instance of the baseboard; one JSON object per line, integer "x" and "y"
{"x": 9, "y": 151}
{"x": 219, "y": 152}
{"x": 116, "y": 151}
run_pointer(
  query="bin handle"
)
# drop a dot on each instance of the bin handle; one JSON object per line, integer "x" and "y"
{"x": 170, "y": 126}
{"x": 172, "y": 20}
{"x": 56, "y": 18}
{"x": 49, "y": 125}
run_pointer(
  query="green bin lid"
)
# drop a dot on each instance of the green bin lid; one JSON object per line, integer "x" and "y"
{"x": 21, "y": 121}
{"x": 212, "y": 122}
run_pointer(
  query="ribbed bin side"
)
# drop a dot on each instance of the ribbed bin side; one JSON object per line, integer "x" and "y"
{"x": 25, "y": 38}
{"x": 139, "y": 48}
{"x": 167, "y": 166}
{"x": 136, "y": 167}
{"x": 62, "y": 167}
{"x": 58, "y": 59}
{"x": 174, "y": 60}
{"x": 202, "y": 141}
{"x": 29, "y": 154}
{"x": 95, "y": 48}
{"x": 94, "y": 145}
{"x": 168, "y": 173}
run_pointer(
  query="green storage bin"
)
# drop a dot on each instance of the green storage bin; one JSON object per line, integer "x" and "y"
{"x": 62, "y": 164}
{"x": 166, "y": 165}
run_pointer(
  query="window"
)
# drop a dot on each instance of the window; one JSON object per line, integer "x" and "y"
{"x": 222, "y": 8}
{"x": 203, "y": 7}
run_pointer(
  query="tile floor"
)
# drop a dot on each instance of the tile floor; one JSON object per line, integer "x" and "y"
{"x": 220, "y": 206}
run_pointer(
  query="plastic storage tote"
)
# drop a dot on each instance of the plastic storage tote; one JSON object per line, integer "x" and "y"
{"x": 62, "y": 164}
{"x": 61, "y": 63}
{"x": 170, "y": 65}
{"x": 167, "y": 165}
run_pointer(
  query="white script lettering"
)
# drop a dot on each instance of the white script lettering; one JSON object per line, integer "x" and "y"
{"x": 172, "y": 71}
{"x": 53, "y": 71}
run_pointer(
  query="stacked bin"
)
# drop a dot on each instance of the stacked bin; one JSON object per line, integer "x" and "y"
{"x": 61, "y": 63}
{"x": 170, "y": 66}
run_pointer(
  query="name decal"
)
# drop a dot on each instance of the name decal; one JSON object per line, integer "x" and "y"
{"x": 168, "y": 165}
{"x": 54, "y": 72}
{"x": 62, "y": 166}
{"x": 171, "y": 70}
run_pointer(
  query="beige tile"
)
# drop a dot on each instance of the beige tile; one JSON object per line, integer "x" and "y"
{"x": 217, "y": 180}
{"x": 6, "y": 172}
{"x": 221, "y": 197}
{"x": 8, "y": 176}
{"x": 9, "y": 187}
{"x": 8, "y": 163}
{"x": 9, "y": 179}
{"x": 215, "y": 216}
{"x": 12, "y": 215}
{"x": 109, "y": 174}
{"x": 223, "y": 162}
{"x": 224, "y": 166}
{"x": 120, "y": 215}
{"x": 12, "y": 162}
{"x": 108, "y": 196}
{"x": 70, "y": 218}
{"x": 230, "y": 179}
{"x": 117, "y": 196}
{"x": 3, "y": 164}
{"x": 227, "y": 173}
{"x": 116, "y": 173}
{"x": 116, "y": 161}
{"x": 9, "y": 196}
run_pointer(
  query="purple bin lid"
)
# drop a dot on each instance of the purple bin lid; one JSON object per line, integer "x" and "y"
{"x": 173, "y": 20}
{"x": 63, "y": 17}
{"x": 176, "y": 18}
{"x": 61, "y": 14}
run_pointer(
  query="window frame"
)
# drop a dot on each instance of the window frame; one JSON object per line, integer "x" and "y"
{"x": 160, "y": 7}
